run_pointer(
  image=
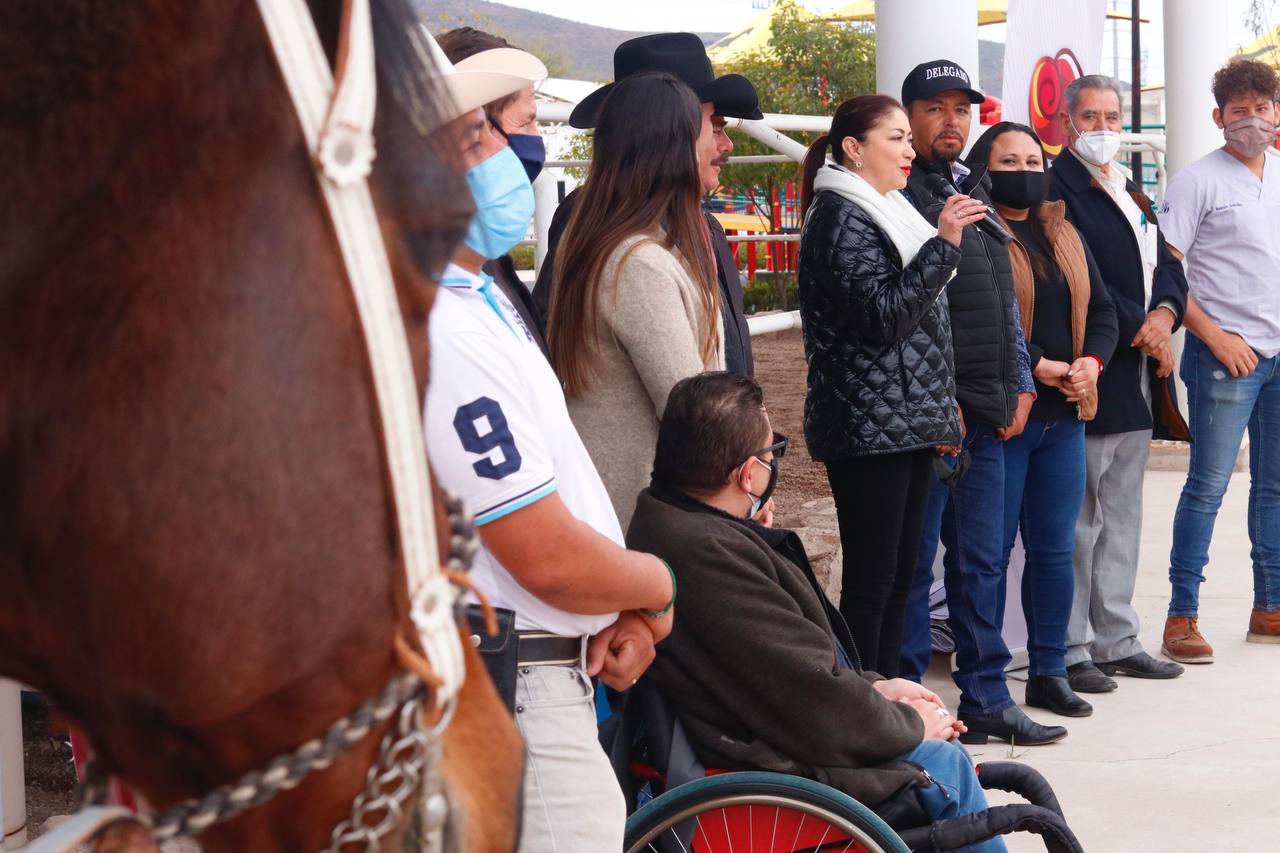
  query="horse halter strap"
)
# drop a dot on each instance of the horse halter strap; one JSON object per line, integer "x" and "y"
{"x": 337, "y": 122}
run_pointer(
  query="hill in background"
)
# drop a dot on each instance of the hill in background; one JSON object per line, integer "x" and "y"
{"x": 585, "y": 52}
{"x": 569, "y": 49}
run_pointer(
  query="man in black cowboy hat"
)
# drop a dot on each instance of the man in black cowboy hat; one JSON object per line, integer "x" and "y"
{"x": 731, "y": 96}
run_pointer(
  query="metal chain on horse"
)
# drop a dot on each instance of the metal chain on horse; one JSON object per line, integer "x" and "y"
{"x": 405, "y": 751}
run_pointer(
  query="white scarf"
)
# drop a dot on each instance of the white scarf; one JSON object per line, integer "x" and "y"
{"x": 891, "y": 212}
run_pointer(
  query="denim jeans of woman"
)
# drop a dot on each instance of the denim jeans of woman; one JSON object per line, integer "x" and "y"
{"x": 1222, "y": 407}
{"x": 1043, "y": 489}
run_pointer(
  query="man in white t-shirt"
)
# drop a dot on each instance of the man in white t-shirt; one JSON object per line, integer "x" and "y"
{"x": 499, "y": 435}
{"x": 1222, "y": 213}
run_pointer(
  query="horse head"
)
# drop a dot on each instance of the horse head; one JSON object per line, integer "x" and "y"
{"x": 198, "y": 549}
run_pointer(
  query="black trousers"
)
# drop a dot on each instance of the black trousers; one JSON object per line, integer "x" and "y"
{"x": 880, "y": 503}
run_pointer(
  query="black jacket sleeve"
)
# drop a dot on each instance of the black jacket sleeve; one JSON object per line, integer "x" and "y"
{"x": 1129, "y": 315}
{"x": 1170, "y": 281}
{"x": 877, "y": 299}
{"x": 1101, "y": 328}
{"x": 542, "y": 287}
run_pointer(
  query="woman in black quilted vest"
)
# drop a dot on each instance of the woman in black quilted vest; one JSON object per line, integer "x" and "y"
{"x": 881, "y": 396}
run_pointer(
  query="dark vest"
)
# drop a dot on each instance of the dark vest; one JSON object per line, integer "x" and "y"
{"x": 984, "y": 339}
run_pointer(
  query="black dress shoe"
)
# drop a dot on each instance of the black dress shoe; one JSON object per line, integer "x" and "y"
{"x": 1012, "y": 725}
{"x": 1053, "y": 693}
{"x": 1084, "y": 677}
{"x": 1141, "y": 665}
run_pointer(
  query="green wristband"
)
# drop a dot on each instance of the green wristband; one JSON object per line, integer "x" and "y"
{"x": 658, "y": 614}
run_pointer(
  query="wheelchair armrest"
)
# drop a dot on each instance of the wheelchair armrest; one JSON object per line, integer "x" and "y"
{"x": 1020, "y": 779}
{"x": 958, "y": 832}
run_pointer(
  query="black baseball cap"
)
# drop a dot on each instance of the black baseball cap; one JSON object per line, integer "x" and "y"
{"x": 929, "y": 79}
{"x": 684, "y": 56}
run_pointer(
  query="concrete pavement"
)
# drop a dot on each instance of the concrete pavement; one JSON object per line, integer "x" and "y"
{"x": 1187, "y": 764}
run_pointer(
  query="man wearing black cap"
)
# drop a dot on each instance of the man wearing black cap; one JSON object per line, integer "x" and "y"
{"x": 995, "y": 390}
{"x": 730, "y": 96}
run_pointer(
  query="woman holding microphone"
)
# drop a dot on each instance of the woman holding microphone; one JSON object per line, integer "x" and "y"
{"x": 881, "y": 396}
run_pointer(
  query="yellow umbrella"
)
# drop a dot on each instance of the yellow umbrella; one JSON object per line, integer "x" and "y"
{"x": 754, "y": 36}
{"x": 989, "y": 11}
{"x": 1265, "y": 49}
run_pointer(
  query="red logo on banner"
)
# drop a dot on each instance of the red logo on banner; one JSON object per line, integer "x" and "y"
{"x": 1049, "y": 81}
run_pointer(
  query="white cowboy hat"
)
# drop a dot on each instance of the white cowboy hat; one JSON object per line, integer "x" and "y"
{"x": 486, "y": 76}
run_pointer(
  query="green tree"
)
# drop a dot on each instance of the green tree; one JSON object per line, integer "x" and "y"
{"x": 809, "y": 66}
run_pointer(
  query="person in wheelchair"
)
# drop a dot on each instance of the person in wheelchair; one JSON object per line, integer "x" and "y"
{"x": 760, "y": 668}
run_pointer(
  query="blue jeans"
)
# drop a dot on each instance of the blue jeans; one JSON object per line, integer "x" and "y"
{"x": 957, "y": 791}
{"x": 969, "y": 518}
{"x": 1221, "y": 409}
{"x": 1043, "y": 491}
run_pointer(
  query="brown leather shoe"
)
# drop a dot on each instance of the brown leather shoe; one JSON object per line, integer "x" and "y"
{"x": 1264, "y": 627}
{"x": 1183, "y": 642}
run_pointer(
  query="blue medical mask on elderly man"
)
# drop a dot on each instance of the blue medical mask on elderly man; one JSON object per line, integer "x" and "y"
{"x": 504, "y": 204}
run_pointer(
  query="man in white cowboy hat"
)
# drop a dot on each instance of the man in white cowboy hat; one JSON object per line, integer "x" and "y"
{"x": 552, "y": 558}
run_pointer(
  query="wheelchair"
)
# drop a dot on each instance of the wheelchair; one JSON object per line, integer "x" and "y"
{"x": 677, "y": 806}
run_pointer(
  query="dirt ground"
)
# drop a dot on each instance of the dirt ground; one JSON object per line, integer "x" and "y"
{"x": 781, "y": 370}
{"x": 46, "y": 754}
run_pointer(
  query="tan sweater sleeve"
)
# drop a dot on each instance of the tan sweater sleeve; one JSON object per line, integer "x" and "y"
{"x": 646, "y": 305}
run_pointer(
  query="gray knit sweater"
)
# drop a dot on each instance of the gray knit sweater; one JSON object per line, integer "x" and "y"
{"x": 650, "y": 320}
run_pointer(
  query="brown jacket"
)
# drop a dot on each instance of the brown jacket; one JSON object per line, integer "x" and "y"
{"x": 1068, "y": 252}
{"x": 750, "y": 667}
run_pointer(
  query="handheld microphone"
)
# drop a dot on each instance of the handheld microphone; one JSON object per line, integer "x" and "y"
{"x": 939, "y": 185}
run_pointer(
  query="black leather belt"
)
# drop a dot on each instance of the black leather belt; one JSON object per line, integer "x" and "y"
{"x": 538, "y": 648}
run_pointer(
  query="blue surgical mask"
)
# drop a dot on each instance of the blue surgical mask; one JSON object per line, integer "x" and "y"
{"x": 531, "y": 150}
{"x": 504, "y": 204}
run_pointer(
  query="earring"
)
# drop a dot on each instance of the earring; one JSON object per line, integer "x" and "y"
{"x": 857, "y": 164}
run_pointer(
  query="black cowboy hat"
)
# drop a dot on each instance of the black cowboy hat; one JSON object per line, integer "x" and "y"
{"x": 681, "y": 55}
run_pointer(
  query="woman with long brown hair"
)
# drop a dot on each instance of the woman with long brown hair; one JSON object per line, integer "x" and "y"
{"x": 635, "y": 304}
{"x": 881, "y": 398}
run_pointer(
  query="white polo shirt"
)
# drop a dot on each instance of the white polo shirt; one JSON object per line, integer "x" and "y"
{"x": 499, "y": 436}
{"x": 1226, "y": 223}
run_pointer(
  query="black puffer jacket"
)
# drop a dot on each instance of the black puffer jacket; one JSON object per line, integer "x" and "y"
{"x": 991, "y": 367}
{"x": 877, "y": 337}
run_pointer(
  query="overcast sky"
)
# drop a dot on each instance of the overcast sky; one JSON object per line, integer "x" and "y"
{"x": 692, "y": 15}
{"x": 729, "y": 15}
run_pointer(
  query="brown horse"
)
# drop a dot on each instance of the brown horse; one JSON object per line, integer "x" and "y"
{"x": 199, "y": 559}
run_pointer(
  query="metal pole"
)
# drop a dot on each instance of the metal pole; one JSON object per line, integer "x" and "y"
{"x": 545, "y": 202}
{"x": 1135, "y": 30}
{"x": 13, "y": 794}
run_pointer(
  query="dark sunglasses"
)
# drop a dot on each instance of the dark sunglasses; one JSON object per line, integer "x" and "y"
{"x": 778, "y": 448}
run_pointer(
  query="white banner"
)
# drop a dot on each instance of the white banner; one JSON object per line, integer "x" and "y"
{"x": 1047, "y": 45}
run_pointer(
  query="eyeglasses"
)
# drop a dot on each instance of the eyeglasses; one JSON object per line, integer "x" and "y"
{"x": 778, "y": 448}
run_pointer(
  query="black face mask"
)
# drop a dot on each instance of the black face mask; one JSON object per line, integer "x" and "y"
{"x": 778, "y": 449}
{"x": 1017, "y": 190}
